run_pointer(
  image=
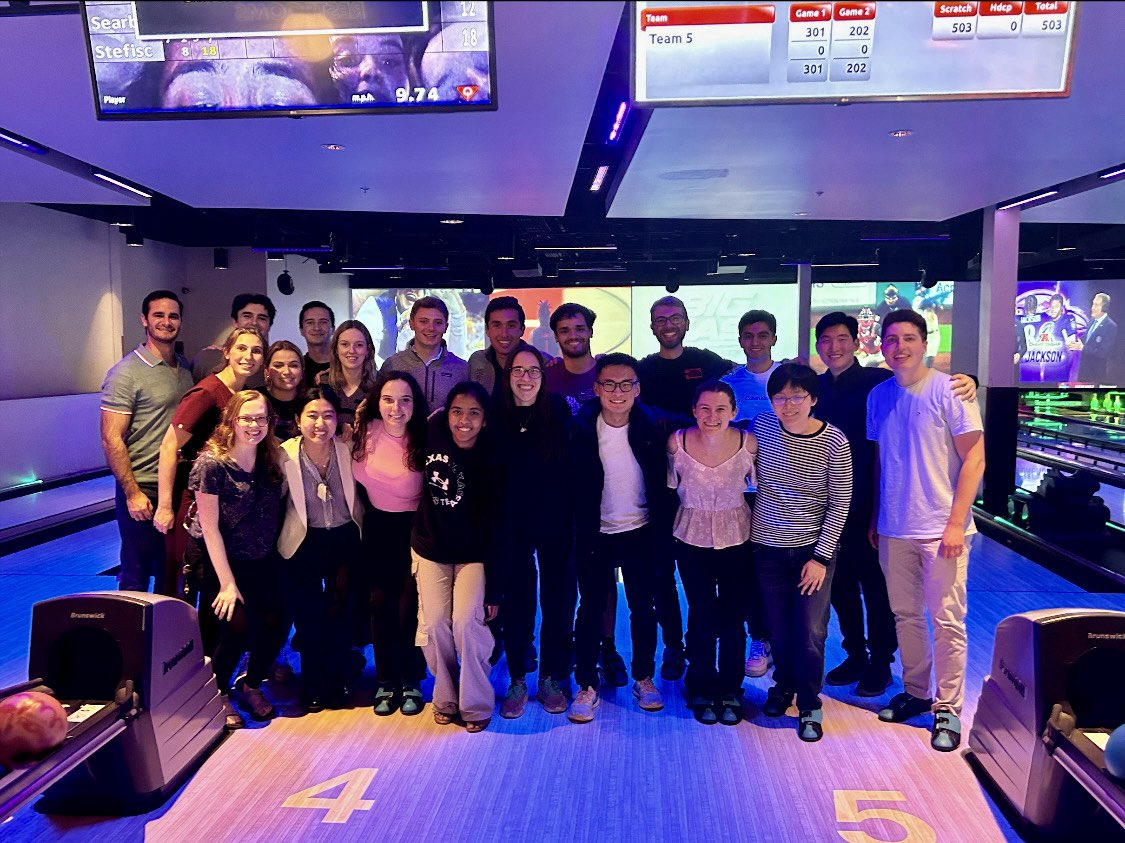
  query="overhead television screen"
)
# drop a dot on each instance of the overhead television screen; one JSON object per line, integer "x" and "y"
{"x": 870, "y": 302}
{"x": 1067, "y": 333}
{"x": 241, "y": 59}
{"x": 707, "y": 53}
{"x": 621, "y": 324}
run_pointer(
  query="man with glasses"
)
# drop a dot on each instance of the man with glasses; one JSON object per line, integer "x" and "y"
{"x": 623, "y": 518}
{"x": 316, "y": 323}
{"x": 139, "y": 395}
{"x": 930, "y": 461}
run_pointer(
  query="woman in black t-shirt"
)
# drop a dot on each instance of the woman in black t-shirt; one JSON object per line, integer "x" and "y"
{"x": 237, "y": 484}
{"x": 285, "y": 376}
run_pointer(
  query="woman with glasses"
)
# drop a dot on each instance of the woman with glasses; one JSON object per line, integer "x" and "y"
{"x": 237, "y": 482}
{"x": 804, "y": 473}
{"x": 352, "y": 370}
{"x": 453, "y": 547}
{"x": 388, "y": 455}
{"x": 320, "y": 540}
{"x": 285, "y": 376}
{"x": 708, "y": 465}
{"x": 534, "y": 427}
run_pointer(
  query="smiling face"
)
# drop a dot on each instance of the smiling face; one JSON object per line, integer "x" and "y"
{"x": 793, "y": 407}
{"x": 254, "y": 316}
{"x": 713, "y": 412}
{"x": 162, "y": 322}
{"x": 504, "y": 330}
{"x": 669, "y": 325}
{"x": 318, "y": 421}
{"x": 352, "y": 349}
{"x": 466, "y": 420}
{"x": 284, "y": 372}
{"x": 396, "y": 406}
{"x": 757, "y": 341}
{"x": 428, "y": 324}
{"x": 316, "y": 326}
{"x": 608, "y": 387}
{"x": 573, "y": 336}
{"x": 837, "y": 348}
{"x": 904, "y": 349}
{"x": 252, "y": 423}
{"x": 245, "y": 356}
{"x": 526, "y": 378}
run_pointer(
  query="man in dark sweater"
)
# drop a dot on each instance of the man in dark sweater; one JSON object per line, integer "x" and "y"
{"x": 622, "y": 517}
{"x": 843, "y": 403}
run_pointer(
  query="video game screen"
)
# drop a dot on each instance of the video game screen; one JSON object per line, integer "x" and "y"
{"x": 870, "y": 302}
{"x": 1066, "y": 333}
{"x": 208, "y": 59}
{"x": 621, "y": 324}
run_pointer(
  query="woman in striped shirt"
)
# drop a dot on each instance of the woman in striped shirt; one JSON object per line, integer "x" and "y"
{"x": 804, "y": 489}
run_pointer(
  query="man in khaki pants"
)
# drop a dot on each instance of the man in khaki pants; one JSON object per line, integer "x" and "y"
{"x": 930, "y": 460}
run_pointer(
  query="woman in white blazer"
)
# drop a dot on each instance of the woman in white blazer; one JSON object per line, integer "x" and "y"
{"x": 320, "y": 539}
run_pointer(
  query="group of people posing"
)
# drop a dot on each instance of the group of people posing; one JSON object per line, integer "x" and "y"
{"x": 434, "y": 506}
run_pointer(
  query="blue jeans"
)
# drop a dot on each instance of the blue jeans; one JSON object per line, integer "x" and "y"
{"x": 798, "y": 623}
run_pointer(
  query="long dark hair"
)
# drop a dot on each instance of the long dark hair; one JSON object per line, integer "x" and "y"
{"x": 415, "y": 428}
{"x": 473, "y": 390}
{"x": 546, "y": 428}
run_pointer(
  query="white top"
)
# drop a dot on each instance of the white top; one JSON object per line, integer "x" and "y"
{"x": 623, "y": 493}
{"x": 918, "y": 462}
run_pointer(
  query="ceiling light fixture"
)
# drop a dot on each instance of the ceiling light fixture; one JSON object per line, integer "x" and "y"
{"x": 221, "y": 259}
{"x": 98, "y": 174}
{"x": 504, "y": 258}
{"x": 23, "y": 143}
{"x": 801, "y": 214}
{"x": 901, "y": 133}
{"x": 451, "y": 221}
{"x": 133, "y": 237}
{"x": 904, "y": 239}
{"x": 1112, "y": 174}
{"x": 274, "y": 256}
{"x": 746, "y": 254}
{"x": 619, "y": 122}
{"x": 333, "y": 147}
{"x": 599, "y": 178}
{"x": 1027, "y": 199}
{"x": 609, "y": 248}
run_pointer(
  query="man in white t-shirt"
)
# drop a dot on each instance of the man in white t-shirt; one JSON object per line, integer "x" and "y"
{"x": 622, "y": 518}
{"x": 930, "y": 461}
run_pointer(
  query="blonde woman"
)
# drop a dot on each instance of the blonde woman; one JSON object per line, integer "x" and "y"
{"x": 352, "y": 372}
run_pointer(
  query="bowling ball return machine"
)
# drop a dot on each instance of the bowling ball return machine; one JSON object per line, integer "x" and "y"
{"x": 1055, "y": 693}
{"x": 141, "y": 700}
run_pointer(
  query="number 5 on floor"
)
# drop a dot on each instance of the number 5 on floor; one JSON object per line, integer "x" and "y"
{"x": 848, "y": 811}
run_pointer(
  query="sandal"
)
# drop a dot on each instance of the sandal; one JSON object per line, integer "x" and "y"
{"x": 412, "y": 701}
{"x": 902, "y": 707}
{"x": 443, "y": 719}
{"x": 946, "y": 736}
{"x": 809, "y": 728}
{"x": 254, "y": 703}
{"x": 386, "y": 700}
{"x": 477, "y": 725}
{"x": 231, "y": 718}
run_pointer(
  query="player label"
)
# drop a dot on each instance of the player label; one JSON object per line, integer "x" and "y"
{"x": 955, "y": 21}
{"x": 1000, "y": 20}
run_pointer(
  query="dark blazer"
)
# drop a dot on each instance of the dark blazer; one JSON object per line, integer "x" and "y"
{"x": 1099, "y": 349}
{"x": 648, "y": 437}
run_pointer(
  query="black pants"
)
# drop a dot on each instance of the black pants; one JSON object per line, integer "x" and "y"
{"x": 556, "y": 585}
{"x": 798, "y": 623}
{"x": 716, "y": 583}
{"x": 757, "y": 619}
{"x": 858, "y": 570}
{"x": 144, "y": 550}
{"x": 321, "y": 596}
{"x": 258, "y": 622}
{"x": 392, "y": 598}
{"x": 667, "y": 596}
{"x": 635, "y": 552}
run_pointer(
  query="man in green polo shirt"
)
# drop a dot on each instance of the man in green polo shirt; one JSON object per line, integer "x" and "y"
{"x": 139, "y": 396}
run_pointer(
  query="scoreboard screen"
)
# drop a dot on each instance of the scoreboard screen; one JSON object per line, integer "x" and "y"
{"x": 243, "y": 59}
{"x": 690, "y": 53}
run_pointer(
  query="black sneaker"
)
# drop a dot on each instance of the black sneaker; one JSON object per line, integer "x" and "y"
{"x": 874, "y": 681}
{"x": 848, "y": 672}
{"x": 777, "y": 702}
{"x": 903, "y": 706}
{"x": 672, "y": 666}
{"x": 613, "y": 669}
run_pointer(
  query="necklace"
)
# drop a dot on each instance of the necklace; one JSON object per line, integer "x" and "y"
{"x": 526, "y": 420}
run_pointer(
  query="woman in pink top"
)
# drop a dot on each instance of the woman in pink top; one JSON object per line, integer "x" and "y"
{"x": 708, "y": 465}
{"x": 387, "y": 451}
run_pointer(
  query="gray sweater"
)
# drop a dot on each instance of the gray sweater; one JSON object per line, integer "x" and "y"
{"x": 435, "y": 378}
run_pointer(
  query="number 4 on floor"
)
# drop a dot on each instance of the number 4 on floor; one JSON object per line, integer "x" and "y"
{"x": 339, "y": 807}
{"x": 848, "y": 811}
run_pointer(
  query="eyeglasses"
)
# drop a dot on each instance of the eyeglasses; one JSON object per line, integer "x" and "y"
{"x": 254, "y": 421}
{"x": 613, "y": 386}
{"x": 533, "y": 372}
{"x": 795, "y": 400}
{"x": 676, "y": 321}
